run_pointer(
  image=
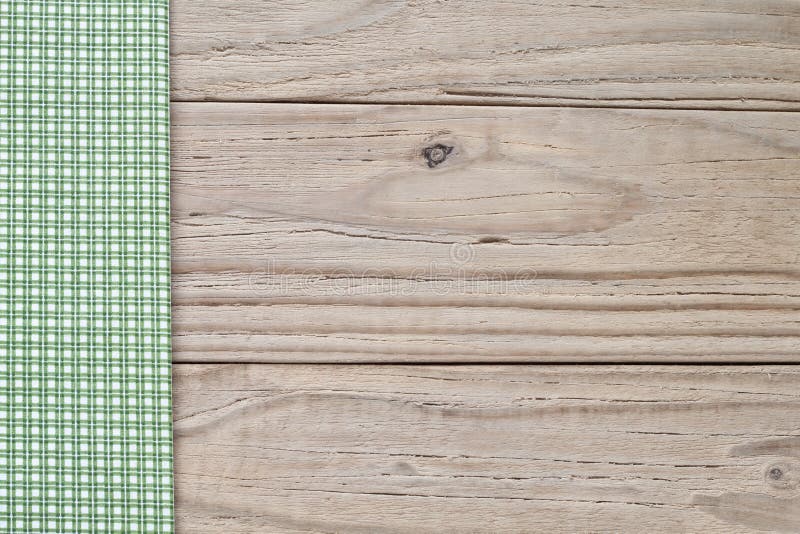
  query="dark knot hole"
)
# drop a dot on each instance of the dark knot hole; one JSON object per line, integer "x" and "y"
{"x": 436, "y": 154}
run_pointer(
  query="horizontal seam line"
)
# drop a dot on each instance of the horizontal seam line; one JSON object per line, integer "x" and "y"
{"x": 487, "y": 104}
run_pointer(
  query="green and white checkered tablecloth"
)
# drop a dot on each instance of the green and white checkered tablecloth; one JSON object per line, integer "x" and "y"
{"x": 85, "y": 409}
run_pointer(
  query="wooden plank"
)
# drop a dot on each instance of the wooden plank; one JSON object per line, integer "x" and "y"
{"x": 328, "y": 233}
{"x": 734, "y": 54}
{"x": 287, "y": 448}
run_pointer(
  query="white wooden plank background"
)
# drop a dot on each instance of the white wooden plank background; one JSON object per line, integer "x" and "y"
{"x": 472, "y": 227}
{"x": 277, "y": 448}
{"x": 735, "y": 54}
{"x": 321, "y": 233}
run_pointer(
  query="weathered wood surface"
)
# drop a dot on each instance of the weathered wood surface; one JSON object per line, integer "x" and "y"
{"x": 328, "y": 233}
{"x": 285, "y": 448}
{"x": 735, "y": 54}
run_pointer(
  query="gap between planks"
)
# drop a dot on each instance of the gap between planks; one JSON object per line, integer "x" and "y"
{"x": 576, "y": 105}
{"x": 478, "y": 364}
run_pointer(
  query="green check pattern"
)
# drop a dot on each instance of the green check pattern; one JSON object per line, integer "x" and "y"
{"x": 85, "y": 400}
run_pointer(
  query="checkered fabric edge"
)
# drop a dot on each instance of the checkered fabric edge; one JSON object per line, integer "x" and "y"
{"x": 85, "y": 400}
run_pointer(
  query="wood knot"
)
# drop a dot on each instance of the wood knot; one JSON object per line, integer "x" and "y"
{"x": 782, "y": 475}
{"x": 436, "y": 154}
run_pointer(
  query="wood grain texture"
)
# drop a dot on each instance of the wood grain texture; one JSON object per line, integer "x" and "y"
{"x": 734, "y": 54}
{"x": 328, "y": 233}
{"x": 318, "y": 448}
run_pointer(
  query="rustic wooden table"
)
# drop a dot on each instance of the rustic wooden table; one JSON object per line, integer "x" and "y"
{"x": 435, "y": 263}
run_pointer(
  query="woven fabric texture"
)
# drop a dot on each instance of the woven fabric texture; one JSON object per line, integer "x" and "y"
{"x": 85, "y": 408}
